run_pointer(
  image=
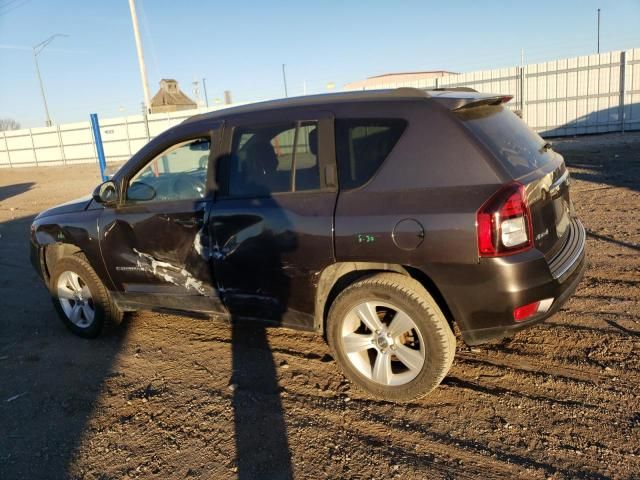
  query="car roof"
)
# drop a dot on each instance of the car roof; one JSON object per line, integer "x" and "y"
{"x": 404, "y": 93}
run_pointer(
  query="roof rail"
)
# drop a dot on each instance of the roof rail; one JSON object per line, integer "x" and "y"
{"x": 316, "y": 100}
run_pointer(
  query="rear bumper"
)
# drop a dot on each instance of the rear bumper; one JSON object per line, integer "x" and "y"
{"x": 482, "y": 297}
{"x": 482, "y": 335}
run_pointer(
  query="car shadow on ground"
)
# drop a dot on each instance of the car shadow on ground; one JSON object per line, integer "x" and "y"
{"x": 602, "y": 164}
{"x": 8, "y": 191}
{"x": 613, "y": 240}
{"x": 46, "y": 396}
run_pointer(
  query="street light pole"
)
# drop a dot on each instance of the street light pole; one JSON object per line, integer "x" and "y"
{"x": 204, "y": 86}
{"x": 36, "y": 51}
{"x": 598, "y": 30}
{"x": 284, "y": 80}
{"x": 143, "y": 69}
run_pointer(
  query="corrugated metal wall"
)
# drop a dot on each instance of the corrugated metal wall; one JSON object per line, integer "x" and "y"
{"x": 572, "y": 96}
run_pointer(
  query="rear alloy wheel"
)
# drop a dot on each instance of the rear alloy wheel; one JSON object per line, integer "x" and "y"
{"x": 81, "y": 300}
{"x": 390, "y": 337}
{"x": 383, "y": 343}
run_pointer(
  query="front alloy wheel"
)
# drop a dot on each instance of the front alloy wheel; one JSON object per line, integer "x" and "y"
{"x": 80, "y": 298}
{"x": 75, "y": 299}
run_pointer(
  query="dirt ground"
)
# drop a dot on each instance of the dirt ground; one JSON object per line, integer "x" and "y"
{"x": 177, "y": 397}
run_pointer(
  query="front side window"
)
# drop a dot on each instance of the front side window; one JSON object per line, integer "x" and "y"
{"x": 274, "y": 159}
{"x": 178, "y": 173}
{"x": 361, "y": 147}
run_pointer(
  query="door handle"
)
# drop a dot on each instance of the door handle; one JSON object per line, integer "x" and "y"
{"x": 330, "y": 176}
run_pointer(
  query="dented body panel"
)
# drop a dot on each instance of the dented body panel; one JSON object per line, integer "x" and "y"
{"x": 74, "y": 230}
{"x": 161, "y": 249}
{"x": 268, "y": 254}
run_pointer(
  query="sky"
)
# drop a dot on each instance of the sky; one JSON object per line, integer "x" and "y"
{"x": 241, "y": 45}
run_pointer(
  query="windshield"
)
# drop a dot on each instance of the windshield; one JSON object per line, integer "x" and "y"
{"x": 517, "y": 146}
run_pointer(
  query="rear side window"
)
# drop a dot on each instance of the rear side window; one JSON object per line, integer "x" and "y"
{"x": 362, "y": 145}
{"x": 515, "y": 144}
{"x": 274, "y": 158}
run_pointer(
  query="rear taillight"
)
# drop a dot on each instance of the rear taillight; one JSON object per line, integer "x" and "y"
{"x": 503, "y": 223}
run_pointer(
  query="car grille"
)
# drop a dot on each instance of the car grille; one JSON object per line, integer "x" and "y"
{"x": 565, "y": 261}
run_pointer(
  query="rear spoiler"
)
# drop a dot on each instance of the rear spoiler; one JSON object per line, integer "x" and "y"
{"x": 462, "y": 98}
{"x": 454, "y": 89}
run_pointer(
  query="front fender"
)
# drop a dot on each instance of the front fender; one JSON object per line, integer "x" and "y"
{"x": 57, "y": 236}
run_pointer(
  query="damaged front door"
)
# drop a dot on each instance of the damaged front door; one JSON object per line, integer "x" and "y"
{"x": 155, "y": 244}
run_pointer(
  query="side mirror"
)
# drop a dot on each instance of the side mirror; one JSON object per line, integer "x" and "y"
{"x": 140, "y": 192}
{"x": 106, "y": 193}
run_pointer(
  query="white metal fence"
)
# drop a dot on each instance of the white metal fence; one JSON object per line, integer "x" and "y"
{"x": 572, "y": 96}
{"x": 73, "y": 142}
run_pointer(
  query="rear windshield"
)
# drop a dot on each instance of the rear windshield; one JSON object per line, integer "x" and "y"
{"x": 516, "y": 145}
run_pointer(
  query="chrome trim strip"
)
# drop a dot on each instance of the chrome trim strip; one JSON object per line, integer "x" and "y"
{"x": 576, "y": 255}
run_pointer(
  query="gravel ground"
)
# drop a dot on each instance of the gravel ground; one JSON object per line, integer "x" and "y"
{"x": 171, "y": 396}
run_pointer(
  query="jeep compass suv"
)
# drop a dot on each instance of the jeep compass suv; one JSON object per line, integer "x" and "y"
{"x": 377, "y": 219}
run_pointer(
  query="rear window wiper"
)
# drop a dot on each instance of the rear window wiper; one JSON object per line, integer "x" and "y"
{"x": 545, "y": 147}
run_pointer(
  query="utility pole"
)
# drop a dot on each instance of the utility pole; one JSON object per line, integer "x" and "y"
{"x": 521, "y": 81}
{"x": 204, "y": 87}
{"x": 145, "y": 118}
{"x": 598, "y": 31}
{"x": 284, "y": 79}
{"x": 36, "y": 51}
{"x": 196, "y": 92}
{"x": 143, "y": 69}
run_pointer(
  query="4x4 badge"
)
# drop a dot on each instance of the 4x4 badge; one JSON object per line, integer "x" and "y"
{"x": 542, "y": 234}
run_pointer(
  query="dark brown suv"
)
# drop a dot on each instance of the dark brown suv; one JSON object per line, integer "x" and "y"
{"x": 377, "y": 219}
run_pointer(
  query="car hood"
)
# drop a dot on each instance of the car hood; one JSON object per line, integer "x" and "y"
{"x": 77, "y": 205}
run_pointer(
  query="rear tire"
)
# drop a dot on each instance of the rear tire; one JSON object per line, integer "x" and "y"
{"x": 390, "y": 337}
{"x": 80, "y": 298}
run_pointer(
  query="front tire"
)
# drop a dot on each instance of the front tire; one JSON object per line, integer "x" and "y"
{"x": 80, "y": 298}
{"x": 390, "y": 337}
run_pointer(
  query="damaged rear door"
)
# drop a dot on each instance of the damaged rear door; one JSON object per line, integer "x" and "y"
{"x": 272, "y": 220}
{"x": 155, "y": 243}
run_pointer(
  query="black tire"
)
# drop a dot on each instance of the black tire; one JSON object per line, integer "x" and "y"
{"x": 106, "y": 312}
{"x": 410, "y": 297}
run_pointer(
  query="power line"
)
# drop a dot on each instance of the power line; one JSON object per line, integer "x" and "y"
{"x": 6, "y": 4}
{"x": 18, "y": 5}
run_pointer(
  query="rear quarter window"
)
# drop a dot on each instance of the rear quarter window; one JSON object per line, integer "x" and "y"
{"x": 362, "y": 146}
{"x": 516, "y": 145}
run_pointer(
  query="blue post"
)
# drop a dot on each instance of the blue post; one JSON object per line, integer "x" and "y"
{"x": 98, "y": 139}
